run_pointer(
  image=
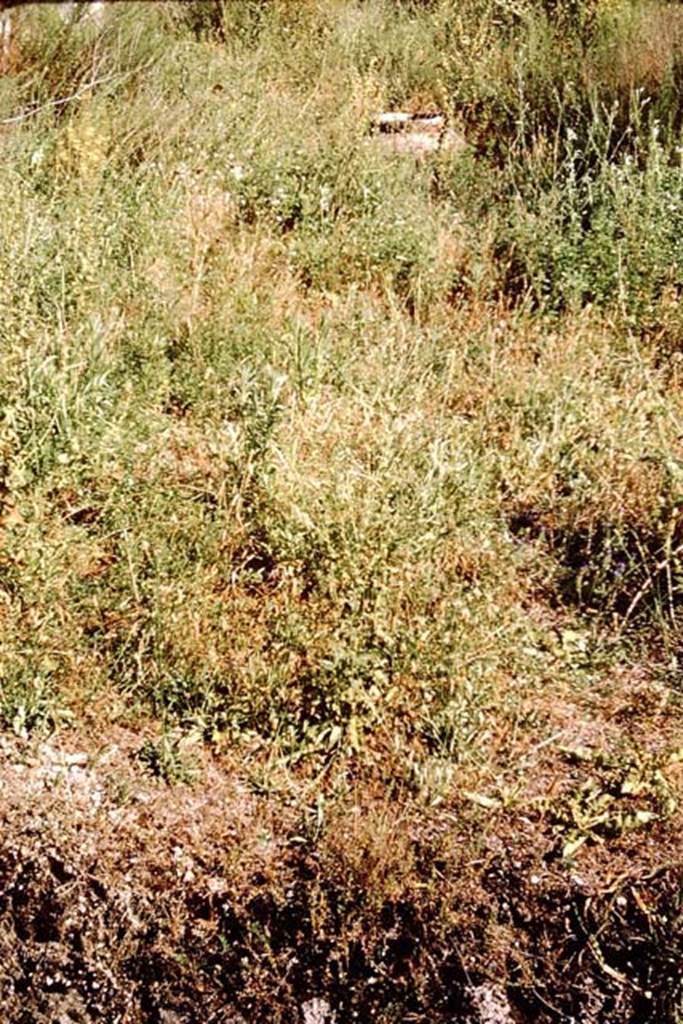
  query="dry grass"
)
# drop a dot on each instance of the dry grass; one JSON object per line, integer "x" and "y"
{"x": 345, "y": 491}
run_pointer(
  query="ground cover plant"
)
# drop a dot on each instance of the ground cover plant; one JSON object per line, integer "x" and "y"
{"x": 341, "y": 537}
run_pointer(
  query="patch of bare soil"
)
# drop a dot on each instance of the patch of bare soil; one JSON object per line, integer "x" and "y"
{"x": 127, "y": 901}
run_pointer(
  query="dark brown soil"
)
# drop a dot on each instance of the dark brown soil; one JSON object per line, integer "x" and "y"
{"x": 127, "y": 901}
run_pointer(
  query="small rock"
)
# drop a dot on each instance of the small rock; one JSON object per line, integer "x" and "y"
{"x": 398, "y": 121}
{"x": 491, "y": 1005}
{"x": 78, "y": 759}
{"x": 60, "y": 759}
{"x": 418, "y": 135}
{"x": 66, "y": 1008}
{"x": 317, "y": 1011}
{"x": 170, "y": 1017}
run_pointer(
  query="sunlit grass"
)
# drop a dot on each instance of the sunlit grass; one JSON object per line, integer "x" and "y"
{"x": 362, "y": 469}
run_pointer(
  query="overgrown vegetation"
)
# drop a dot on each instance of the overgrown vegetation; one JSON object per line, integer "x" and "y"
{"x": 365, "y": 470}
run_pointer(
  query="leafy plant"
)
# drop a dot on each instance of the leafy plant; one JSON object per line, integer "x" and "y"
{"x": 623, "y": 793}
{"x": 28, "y": 703}
{"x": 167, "y": 759}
